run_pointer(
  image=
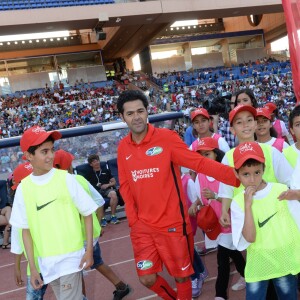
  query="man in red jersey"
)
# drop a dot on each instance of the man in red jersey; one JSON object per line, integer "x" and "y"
{"x": 149, "y": 161}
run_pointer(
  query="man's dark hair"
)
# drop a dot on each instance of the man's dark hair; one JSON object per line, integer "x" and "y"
{"x": 131, "y": 95}
{"x": 250, "y": 94}
{"x": 93, "y": 157}
{"x": 294, "y": 113}
{"x": 32, "y": 149}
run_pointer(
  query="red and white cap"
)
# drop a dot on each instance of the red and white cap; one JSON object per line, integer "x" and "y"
{"x": 246, "y": 151}
{"x": 200, "y": 112}
{"x": 263, "y": 112}
{"x": 63, "y": 159}
{"x": 208, "y": 221}
{"x": 239, "y": 109}
{"x": 271, "y": 106}
{"x": 207, "y": 143}
{"x": 20, "y": 172}
{"x": 36, "y": 135}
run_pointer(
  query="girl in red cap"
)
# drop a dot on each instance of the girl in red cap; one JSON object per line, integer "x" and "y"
{"x": 265, "y": 132}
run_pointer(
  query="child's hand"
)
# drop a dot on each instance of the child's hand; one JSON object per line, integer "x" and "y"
{"x": 193, "y": 209}
{"x": 87, "y": 260}
{"x": 208, "y": 194}
{"x": 290, "y": 195}
{"x": 248, "y": 196}
{"x": 18, "y": 278}
{"x": 225, "y": 219}
{"x": 36, "y": 280}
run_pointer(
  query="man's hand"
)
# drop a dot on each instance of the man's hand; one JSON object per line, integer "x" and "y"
{"x": 36, "y": 280}
{"x": 87, "y": 260}
{"x": 225, "y": 219}
{"x": 290, "y": 195}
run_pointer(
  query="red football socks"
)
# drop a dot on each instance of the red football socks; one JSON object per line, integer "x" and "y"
{"x": 163, "y": 289}
{"x": 184, "y": 290}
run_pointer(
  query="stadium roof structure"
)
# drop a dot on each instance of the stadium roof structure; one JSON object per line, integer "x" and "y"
{"x": 130, "y": 26}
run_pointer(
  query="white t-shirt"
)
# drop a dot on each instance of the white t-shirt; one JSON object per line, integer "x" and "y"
{"x": 224, "y": 239}
{"x": 272, "y": 141}
{"x": 295, "y": 179}
{"x": 237, "y": 217}
{"x": 282, "y": 171}
{"x": 54, "y": 267}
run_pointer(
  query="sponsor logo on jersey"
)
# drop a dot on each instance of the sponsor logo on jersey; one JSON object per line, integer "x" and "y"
{"x": 143, "y": 174}
{"x": 154, "y": 151}
{"x": 144, "y": 264}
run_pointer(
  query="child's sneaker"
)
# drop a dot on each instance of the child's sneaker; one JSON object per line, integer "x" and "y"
{"x": 239, "y": 285}
{"x": 204, "y": 274}
{"x": 114, "y": 219}
{"x": 103, "y": 222}
{"x": 197, "y": 286}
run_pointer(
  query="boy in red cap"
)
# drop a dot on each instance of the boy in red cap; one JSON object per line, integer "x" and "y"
{"x": 201, "y": 121}
{"x": 268, "y": 228}
{"x": 265, "y": 132}
{"x": 46, "y": 207}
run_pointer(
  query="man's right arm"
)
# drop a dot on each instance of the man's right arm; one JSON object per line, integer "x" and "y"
{"x": 130, "y": 207}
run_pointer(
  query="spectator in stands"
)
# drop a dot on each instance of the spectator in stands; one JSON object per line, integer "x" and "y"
{"x": 5, "y": 213}
{"x": 102, "y": 180}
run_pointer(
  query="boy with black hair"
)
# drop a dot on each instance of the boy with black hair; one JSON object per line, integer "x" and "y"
{"x": 46, "y": 207}
{"x": 267, "y": 227}
{"x": 292, "y": 152}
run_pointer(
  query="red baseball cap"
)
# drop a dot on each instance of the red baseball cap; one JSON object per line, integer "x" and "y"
{"x": 36, "y": 135}
{"x": 20, "y": 172}
{"x": 63, "y": 159}
{"x": 263, "y": 112}
{"x": 200, "y": 111}
{"x": 270, "y": 106}
{"x": 207, "y": 143}
{"x": 208, "y": 221}
{"x": 245, "y": 151}
{"x": 241, "y": 108}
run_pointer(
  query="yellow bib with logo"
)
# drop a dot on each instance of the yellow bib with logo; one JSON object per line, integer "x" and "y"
{"x": 53, "y": 219}
{"x": 291, "y": 155}
{"x": 275, "y": 252}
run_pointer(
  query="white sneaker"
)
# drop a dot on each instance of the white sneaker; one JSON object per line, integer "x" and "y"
{"x": 219, "y": 298}
{"x": 239, "y": 285}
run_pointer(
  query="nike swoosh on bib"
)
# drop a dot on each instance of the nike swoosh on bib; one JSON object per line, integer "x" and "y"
{"x": 261, "y": 224}
{"x": 44, "y": 205}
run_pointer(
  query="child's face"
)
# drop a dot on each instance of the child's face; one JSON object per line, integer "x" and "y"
{"x": 244, "y": 99}
{"x": 42, "y": 160}
{"x": 263, "y": 126}
{"x": 243, "y": 126}
{"x": 295, "y": 130}
{"x": 209, "y": 154}
{"x": 251, "y": 175}
{"x": 201, "y": 125}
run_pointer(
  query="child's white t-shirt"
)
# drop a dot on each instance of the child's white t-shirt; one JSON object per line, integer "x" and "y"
{"x": 68, "y": 263}
{"x": 238, "y": 216}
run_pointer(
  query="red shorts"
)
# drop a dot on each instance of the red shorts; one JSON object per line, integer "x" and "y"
{"x": 152, "y": 249}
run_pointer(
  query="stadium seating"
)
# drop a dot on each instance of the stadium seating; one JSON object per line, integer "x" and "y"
{"x": 33, "y": 4}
